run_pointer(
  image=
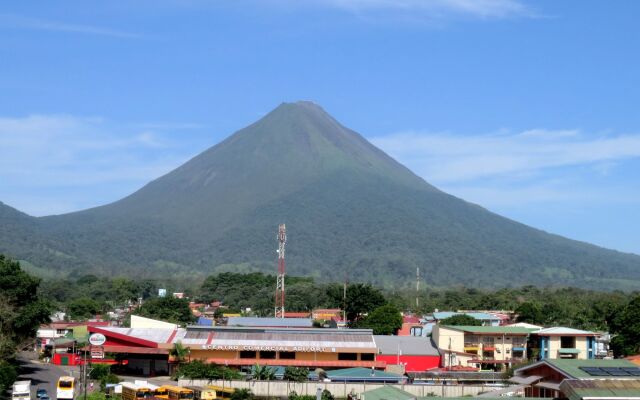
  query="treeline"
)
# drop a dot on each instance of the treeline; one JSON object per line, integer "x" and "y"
{"x": 572, "y": 307}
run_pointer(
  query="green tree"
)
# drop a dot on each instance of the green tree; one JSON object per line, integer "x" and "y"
{"x": 360, "y": 299}
{"x": 385, "y": 320}
{"x": 529, "y": 312}
{"x": 83, "y": 308}
{"x": 296, "y": 374}
{"x": 179, "y": 352}
{"x": 21, "y": 312}
{"x": 263, "y": 373}
{"x": 99, "y": 371}
{"x": 461, "y": 320}
{"x": 626, "y": 330}
{"x": 167, "y": 309}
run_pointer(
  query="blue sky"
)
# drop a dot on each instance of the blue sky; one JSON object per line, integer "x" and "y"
{"x": 527, "y": 108}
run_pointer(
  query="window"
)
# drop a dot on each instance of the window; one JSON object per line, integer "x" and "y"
{"x": 367, "y": 357}
{"x": 348, "y": 356}
{"x": 247, "y": 354}
{"x": 268, "y": 355}
{"x": 487, "y": 340}
{"x": 287, "y": 355}
{"x": 568, "y": 342}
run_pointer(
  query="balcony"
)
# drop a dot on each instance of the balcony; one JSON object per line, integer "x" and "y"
{"x": 471, "y": 347}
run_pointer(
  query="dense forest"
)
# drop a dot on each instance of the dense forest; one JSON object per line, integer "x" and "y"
{"x": 578, "y": 308}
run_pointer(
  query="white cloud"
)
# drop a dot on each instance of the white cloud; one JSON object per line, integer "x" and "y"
{"x": 435, "y": 8}
{"x": 17, "y": 21}
{"x": 44, "y": 155}
{"x": 446, "y": 158}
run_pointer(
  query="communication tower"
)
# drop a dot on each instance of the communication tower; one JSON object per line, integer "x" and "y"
{"x": 282, "y": 240}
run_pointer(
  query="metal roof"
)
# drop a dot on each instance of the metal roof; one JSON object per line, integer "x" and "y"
{"x": 499, "y": 330}
{"x": 571, "y": 367}
{"x": 602, "y": 389}
{"x": 271, "y": 322}
{"x": 405, "y": 345}
{"x": 387, "y": 393}
{"x": 269, "y": 339}
{"x": 477, "y": 315}
{"x": 363, "y": 374}
{"x": 561, "y": 330}
{"x": 150, "y": 334}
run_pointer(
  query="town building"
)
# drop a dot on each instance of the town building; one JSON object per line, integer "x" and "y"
{"x": 411, "y": 326}
{"x": 147, "y": 349}
{"x": 560, "y": 342}
{"x": 487, "y": 347}
{"x": 557, "y": 378}
{"x": 410, "y": 353}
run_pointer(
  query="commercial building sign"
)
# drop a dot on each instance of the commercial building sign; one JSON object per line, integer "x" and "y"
{"x": 300, "y": 349}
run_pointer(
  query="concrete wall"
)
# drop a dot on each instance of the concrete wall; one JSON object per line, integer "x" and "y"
{"x": 283, "y": 388}
{"x": 142, "y": 322}
{"x": 442, "y": 335}
{"x": 581, "y": 344}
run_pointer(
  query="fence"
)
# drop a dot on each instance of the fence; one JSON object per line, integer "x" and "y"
{"x": 283, "y": 388}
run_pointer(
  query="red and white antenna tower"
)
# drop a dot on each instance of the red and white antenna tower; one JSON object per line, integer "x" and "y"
{"x": 282, "y": 240}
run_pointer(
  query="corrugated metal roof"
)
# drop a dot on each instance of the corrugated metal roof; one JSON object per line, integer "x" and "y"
{"x": 571, "y": 367}
{"x": 507, "y": 330}
{"x": 406, "y": 345}
{"x": 271, "y": 322}
{"x": 290, "y": 339}
{"x": 606, "y": 389}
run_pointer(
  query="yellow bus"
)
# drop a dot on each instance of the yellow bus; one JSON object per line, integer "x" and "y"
{"x": 222, "y": 392}
{"x": 161, "y": 392}
{"x": 200, "y": 393}
{"x": 178, "y": 393}
{"x": 132, "y": 391}
{"x": 66, "y": 387}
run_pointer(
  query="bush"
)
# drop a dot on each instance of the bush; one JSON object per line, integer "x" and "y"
{"x": 109, "y": 378}
{"x": 197, "y": 369}
{"x": 296, "y": 374}
{"x": 100, "y": 371}
{"x": 295, "y": 396}
{"x": 242, "y": 394}
{"x": 8, "y": 375}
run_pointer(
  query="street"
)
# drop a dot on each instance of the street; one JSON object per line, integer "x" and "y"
{"x": 42, "y": 376}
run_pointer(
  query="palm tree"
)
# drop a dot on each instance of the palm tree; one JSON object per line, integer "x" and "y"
{"x": 264, "y": 373}
{"x": 178, "y": 353}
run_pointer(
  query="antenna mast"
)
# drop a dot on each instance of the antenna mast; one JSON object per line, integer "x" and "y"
{"x": 282, "y": 240}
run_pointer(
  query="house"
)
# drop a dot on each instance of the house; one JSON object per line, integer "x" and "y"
{"x": 576, "y": 389}
{"x": 561, "y": 342}
{"x": 544, "y": 378}
{"x": 487, "y": 347}
{"x": 411, "y": 326}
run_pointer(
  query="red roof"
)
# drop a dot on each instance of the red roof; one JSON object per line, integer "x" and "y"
{"x": 410, "y": 319}
{"x": 289, "y": 314}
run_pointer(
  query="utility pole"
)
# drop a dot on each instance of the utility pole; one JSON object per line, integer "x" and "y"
{"x": 279, "y": 303}
{"x": 417, "y": 287}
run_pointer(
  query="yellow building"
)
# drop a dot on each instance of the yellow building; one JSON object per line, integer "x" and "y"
{"x": 487, "y": 347}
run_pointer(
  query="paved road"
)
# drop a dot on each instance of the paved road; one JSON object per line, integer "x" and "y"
{"x": 42, "y": 376}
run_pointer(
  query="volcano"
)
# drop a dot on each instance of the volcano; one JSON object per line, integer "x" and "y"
{"x": 348, "y": 206}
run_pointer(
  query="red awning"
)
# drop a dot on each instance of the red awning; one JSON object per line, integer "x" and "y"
{"x": 130, "y": 350}
{"x": 298, "y": 363}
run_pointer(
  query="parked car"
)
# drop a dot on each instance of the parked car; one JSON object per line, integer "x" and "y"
{"x": 41, "y": 392}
